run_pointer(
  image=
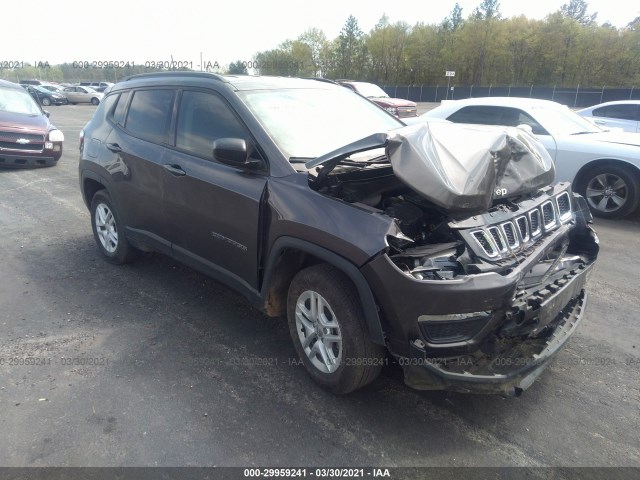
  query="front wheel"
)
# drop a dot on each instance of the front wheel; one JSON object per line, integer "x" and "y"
{"x": 328, "y": 329}
{"x": 46, "y": 102}
{"x": 611, "y": 191}
{"x": 95, "y": 101}
{"x": 108, "y": 232}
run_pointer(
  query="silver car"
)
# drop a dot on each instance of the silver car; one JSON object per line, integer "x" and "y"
{"x": 604, "y": 166}
{"x": 624, "y": 114}
{"x": 78, "y": 94}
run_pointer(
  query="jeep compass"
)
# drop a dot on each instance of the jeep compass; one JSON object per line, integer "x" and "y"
{"x": 445, "y": 245}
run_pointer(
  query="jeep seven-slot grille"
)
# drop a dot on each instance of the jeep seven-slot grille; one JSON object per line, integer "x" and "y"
{"x": 534, "y": 218}
{"x": 564, "y": 205}
{"x": 497, "y": 239}
{"x": 523, "y": 228}
{"x": 514, "y": 235}
{"x": 548, "y": 215}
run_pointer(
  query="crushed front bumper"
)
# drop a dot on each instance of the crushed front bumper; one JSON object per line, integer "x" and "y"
{"x": 506, "y": 366}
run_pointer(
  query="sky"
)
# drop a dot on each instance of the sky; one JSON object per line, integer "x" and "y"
{"x": 186, "y": 30}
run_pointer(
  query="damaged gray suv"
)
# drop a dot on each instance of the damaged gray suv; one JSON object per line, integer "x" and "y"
{"x": 444, "y": 245}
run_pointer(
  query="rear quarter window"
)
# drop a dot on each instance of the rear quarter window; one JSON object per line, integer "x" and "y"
{"x": 118, "y": 113}
{"x": 149, "y": 114}
{"x": 622, "y": 112}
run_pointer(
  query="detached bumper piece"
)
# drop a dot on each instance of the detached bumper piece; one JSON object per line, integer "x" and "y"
{"x": 506, "y": 366}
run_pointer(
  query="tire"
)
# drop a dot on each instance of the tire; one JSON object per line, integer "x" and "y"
{"x": 610, "y": 191}
{"x": 95, "y": 101}
{"x": 46, "y": 102}
{"x": 339, "y": 356}
{"x": 108, "y": 232}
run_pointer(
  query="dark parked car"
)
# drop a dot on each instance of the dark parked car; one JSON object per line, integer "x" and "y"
{"x": 27, "y": 137}
{"x": 53, "y": 88}
{"x": 44, "y": 96}
{"x": 32, "y": 82}
{"x": 399, "y": 107}
{"x": 456, "y": 257}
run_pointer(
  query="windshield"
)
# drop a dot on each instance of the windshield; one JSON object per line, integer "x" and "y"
{"x": 369, "y": 90}
{"x": 15, "y": 100}
{"x": 307, "y": 123}
{"x": 562, "y": 121}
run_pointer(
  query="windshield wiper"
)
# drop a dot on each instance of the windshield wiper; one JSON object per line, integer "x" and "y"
{"x": 300, "y": 159}
{"x": 582, "y": 133}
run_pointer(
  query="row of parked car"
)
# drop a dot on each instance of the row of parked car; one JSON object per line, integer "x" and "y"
{"x": 57, "y": 94}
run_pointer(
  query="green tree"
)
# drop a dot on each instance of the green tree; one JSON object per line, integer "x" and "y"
{"x": 577, "y": 9}
{"x": 454, "y": 21}
{"x": 350, "y": 50}
{"x": 386, "y": 46}
{"x": 237, "y": 68}
{"x": 316, "y": 40}
{"x": 487, "y": 10}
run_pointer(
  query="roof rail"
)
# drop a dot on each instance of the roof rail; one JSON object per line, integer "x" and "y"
{"x": 182, "y": 73}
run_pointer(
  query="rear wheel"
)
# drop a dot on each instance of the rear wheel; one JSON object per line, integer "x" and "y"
{"x": 46, "y": 102}
{"x": 611, "y": 191}
{"x": 95, "y": 101}
{"x": 108, "y": 232}
{"x": 328, "y": 330}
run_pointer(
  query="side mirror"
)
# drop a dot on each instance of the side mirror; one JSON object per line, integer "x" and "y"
{"x": 234, "y": 152}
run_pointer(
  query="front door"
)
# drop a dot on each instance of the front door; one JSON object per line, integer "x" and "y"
{"x": 213, "y": 210}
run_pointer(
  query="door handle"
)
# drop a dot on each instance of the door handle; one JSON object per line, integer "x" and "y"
{"x": 114, "y": 147}
{"x": 175, "y": 170}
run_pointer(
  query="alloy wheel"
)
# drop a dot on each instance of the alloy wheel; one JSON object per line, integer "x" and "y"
{"x": 318, "y": 331}
{"x": 607, "y": 192}
{"x": 106, "y": 227}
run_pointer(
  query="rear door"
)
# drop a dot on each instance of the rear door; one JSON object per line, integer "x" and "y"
{"x": 213, "y": 209}
{"x": 72, "y": 94}
{"x": 138, "y": 142}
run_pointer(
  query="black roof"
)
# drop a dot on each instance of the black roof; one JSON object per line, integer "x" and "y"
{"x": 235, "y": 82}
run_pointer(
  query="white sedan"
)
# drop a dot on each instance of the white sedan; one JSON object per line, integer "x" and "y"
{"x": 623, "y": 114}
{"x": 602, "y": 165}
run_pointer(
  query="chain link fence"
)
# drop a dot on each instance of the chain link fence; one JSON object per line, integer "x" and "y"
{"x": 572, "y": 97}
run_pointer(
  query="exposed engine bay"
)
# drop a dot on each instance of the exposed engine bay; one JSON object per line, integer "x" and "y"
{"x": 446, "y": 238}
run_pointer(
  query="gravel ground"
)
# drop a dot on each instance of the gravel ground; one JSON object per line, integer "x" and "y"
{"x": 153, "y": 364}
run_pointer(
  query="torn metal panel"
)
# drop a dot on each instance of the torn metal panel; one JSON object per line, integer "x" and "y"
{"x": 464, "y": 168}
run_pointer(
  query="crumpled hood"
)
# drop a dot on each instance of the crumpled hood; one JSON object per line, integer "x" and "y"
{"x": 464, "y": 168}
